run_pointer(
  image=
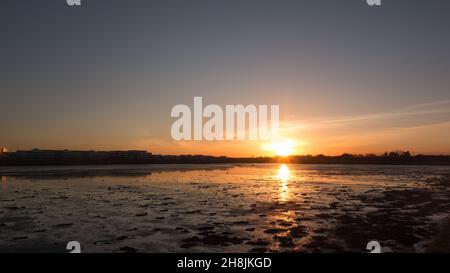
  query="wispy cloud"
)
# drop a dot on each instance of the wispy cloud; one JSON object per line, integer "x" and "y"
{"x": 411, "y": 111}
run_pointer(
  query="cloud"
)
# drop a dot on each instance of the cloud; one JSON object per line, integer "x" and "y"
{"x": 412, "y": 111}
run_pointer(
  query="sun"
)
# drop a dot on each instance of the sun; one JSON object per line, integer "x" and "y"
{"x": 283, "y": 148}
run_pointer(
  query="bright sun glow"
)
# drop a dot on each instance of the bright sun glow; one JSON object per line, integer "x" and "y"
{"x": 283, "y": 148}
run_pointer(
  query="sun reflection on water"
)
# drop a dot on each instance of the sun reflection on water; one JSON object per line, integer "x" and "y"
{"x": 284, "y": 174}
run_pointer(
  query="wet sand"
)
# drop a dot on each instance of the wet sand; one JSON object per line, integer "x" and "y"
{"x": 220, "y": 208}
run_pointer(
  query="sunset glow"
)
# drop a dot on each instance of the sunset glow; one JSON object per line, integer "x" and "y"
{"x": 223, "y": 135}
{"x": 283, "y": 148}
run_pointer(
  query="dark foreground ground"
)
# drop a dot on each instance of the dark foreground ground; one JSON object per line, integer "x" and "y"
{"x": 225, "y": 208}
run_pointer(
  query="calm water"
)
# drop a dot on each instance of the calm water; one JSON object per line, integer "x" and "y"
{"x": 222, "y": 208}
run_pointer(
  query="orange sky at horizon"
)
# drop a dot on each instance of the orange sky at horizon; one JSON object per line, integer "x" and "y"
{"x": 405, "y": 130}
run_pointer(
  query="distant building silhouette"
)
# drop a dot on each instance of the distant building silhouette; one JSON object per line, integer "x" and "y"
{"x": 69, "y": 157}
{"x": 42, "y": 155}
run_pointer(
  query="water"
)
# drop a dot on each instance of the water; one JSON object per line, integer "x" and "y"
{"x": 222, "y": 208}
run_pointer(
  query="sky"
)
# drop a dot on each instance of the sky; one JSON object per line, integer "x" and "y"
{"x": 349, "y": 78}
